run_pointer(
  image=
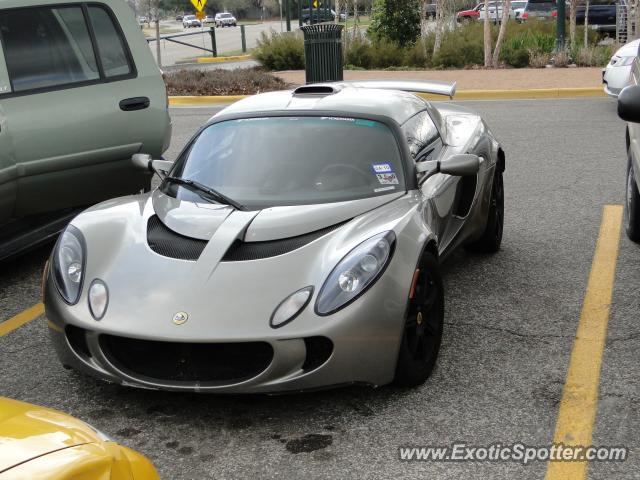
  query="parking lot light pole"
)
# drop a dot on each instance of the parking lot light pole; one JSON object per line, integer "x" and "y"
{"x": 243, "y": 38}
{"x": 560, "y": 19}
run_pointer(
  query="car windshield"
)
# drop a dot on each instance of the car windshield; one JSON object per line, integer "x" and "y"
{"x": 226, "y": 15}
{"x": 263, "y": 162}
{"x": 541, "y": 6}
{"x": 190, "y": 17}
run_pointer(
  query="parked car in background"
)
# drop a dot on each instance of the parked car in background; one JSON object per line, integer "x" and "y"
{"x": 430, "y": 9}
{"x": 225, "y": 19}
{"x": 317, "y": 15}
{"x": 539, "y": 9}
{"x": 602, "y": 15}
{"x": 495, "y": 11}
{"x": 80, "y": 94}
{"x": 179, "y": 18}
{"x": 472, "y": 14}
{"x": 629, "y": 110}
{"x": 517, "y": 9}
{"x": 41, "y": 443}
{"x": 617, "y": 74}
{"x": 209, "y": 20}
{"x": 190, "y": 21}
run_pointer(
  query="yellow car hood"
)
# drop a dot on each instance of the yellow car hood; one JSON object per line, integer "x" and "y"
{"x": 28, "y": 431}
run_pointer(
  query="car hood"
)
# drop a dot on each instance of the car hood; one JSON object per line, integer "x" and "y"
{"x": 628, "y": 50}
{"x": 28, "y": 431}
{"x": 202, "y": 220}
{"x": 228, "y": 292}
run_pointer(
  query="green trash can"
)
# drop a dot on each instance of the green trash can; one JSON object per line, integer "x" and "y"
{"x": 323, "y": 52}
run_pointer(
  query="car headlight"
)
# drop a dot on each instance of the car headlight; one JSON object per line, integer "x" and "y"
{"x": 98, "y": 298}
{"x": 622, "y": 61}
{"x": 355, "y": 273}
{"x": 68, "y": 264}
{"x": 290, "y": 307}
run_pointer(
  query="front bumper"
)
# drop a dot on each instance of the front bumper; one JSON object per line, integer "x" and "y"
{"x": 615, "y": 79}
{"x": 356, "y": 345}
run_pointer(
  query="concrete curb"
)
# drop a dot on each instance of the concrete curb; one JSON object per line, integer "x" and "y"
{"x": 532, "y": 93}
{"x": 232, "y": 58}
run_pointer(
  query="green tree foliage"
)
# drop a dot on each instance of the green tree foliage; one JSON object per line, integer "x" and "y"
{"x": 395, "y": 20}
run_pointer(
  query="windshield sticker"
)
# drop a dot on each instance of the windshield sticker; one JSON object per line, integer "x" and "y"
{"x": 383, "y": 189}
{"x": 387, "y": 178}
{"x": 339, "y": 119}
{"x": 382, "y": 168}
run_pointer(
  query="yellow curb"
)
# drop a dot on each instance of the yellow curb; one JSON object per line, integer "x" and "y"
{"x": 232, "y": 58}
{"x": 204, "y": 100}
{"x": 531, "y": 93}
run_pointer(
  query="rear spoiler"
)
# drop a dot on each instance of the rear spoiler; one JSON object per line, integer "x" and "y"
{"x": 417, "y": 86}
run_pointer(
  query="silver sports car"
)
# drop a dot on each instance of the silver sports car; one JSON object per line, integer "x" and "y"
{"x": 293, "y": 245}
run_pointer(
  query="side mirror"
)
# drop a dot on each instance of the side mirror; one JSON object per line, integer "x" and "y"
{"x": 146, "y": 162}
{"x": 629, "y": 104}
{"x": 461, "y": 164}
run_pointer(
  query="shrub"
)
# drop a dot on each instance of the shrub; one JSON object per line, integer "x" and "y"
{"x": 539, "y": 59}
{"x": 280, "y": 51}
{"x": 593, "y": 56}
{"x": 222, "y": 82}
{"x": 397, "y": 21}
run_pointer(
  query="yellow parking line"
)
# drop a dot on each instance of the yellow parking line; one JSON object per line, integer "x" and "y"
{"x": 580, "y": 395}
{"x": 19, "y": 320}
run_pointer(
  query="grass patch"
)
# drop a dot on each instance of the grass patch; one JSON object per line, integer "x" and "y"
{"x": 241, "y": 81}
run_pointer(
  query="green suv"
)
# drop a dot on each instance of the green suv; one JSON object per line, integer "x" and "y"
{"x": 80, "y": 93}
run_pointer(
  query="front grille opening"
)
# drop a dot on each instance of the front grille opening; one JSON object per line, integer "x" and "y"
{"x": 77, "y": 338}
{"x": 212, "y": 363}
{"x": 168, "y": 243}
{"x": 319, "y": 350}
{"x": 241, "y": 251}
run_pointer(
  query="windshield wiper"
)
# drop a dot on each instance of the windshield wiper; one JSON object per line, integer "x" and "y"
{"x": 210, "y": 193}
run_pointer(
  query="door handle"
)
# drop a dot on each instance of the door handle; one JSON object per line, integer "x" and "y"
{"x": 135, "y": 103}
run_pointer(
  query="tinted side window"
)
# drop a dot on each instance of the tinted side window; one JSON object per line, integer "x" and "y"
{"x": 420, "y": 131}
{"x": 111, "y": 46}
{"x": 47, "y": 47}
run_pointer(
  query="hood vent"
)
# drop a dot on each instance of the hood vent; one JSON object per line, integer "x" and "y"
{"x": 170, "y": 244}
{"x": 317, "y": 89}
{"x": 242, "y": 251}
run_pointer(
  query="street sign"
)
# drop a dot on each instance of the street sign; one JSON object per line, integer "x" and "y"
{"x": 315, "y": 3}
{"x": 200, "y": 15}
{"x": 199, "y": 4}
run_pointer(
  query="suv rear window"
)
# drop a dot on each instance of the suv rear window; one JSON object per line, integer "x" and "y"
{"x": 52, "y": 47}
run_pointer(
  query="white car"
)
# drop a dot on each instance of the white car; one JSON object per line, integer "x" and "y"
{"x": 190, "y": 21}
{"x": 615, "y": 76}
{"x": 517, "y": 9}
{"x": 225, "y": 20}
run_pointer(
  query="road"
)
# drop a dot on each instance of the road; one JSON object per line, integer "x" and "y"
{"x": 511, "y": 323}
{"x": 228, "y": 40}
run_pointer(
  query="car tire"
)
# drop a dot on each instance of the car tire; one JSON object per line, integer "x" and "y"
{"x": 632, "y": 205}
{"x": 422, "y": 334}
{"x": 491, "y": 239}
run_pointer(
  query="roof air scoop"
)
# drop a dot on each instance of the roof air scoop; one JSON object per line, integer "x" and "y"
{"x": 320, "y": 89}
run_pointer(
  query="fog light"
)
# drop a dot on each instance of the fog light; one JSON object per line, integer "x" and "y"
{"x": 98, "y": 299}
{"x": 290, "y": 307}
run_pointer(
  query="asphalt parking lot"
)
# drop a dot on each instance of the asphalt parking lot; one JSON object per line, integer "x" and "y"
{"x": 511, "y": 324}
